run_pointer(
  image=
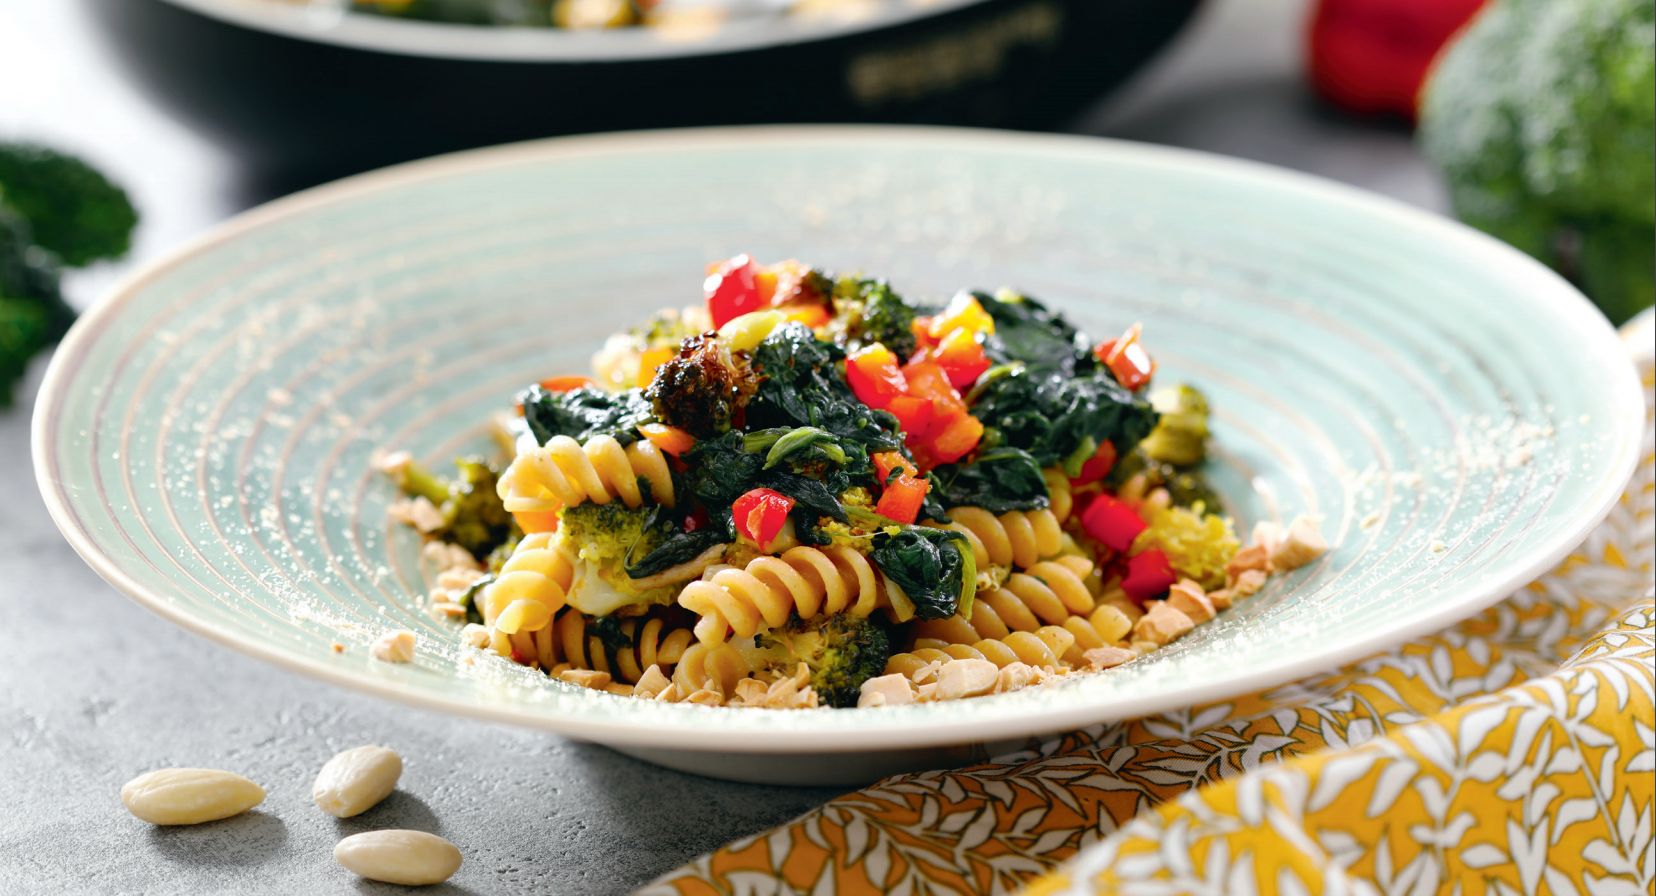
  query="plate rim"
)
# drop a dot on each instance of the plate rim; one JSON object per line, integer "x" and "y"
{"x": 842, "y": 736}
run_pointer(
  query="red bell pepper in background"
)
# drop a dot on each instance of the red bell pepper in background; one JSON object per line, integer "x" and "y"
{"x": 1371, "y": 57}
{"x": 1149, "y": 574}
{"x": 732, "y": 290}
{"x": 566, "y": 383}
{"x": 760, "y": 514}
{"x": 1126, "y": 359}
{"x": 1112, "y": 522}
{"x": 1098, "y": 466}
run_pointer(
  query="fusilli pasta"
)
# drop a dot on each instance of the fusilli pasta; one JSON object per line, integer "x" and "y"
{"x": 1017, "y": 538}
{"x": 1043, "y": 648}
{"x": 532, "y": 585}
{"x": 764, "y": 593}
{"x": 563, "y": 473}
{"x": 1049, "y": 593}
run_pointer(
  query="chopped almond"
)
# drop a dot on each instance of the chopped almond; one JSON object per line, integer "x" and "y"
{"x": 1301, "y": 544}
{"x": 886, "y": 690}
{"x": 1162, "y": 624}
{"x": 651, "y": 683}
{"x": 966, "y": 678}
{"x": 1188, "y": 598}
{"x": 1107, "y": 657}
{"x": 586, "y": 678}
{"x": 1252, "y": 557}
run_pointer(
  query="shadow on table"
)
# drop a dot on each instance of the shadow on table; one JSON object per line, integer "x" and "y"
{"x": 401, "y": 810}
{"x": 251, "y": 838}
{"x": 703, "y": 814}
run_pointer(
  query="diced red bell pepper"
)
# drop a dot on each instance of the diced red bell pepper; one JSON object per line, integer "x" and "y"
{"x": 531, "y": 521}
{"x": 886, "y": 461}
{"x": 954, "y": 439}
{"x": 928, "y": 380}
{"x": 732, "y": 291}
{"x": 914, "y": 415}
{"x": 1149, "y": 574}
{"x": 669, "y": 439}
{"x": 1112, "y": 522}
{"x": 961, "y": 356}
{"x": 1127, "y": 360}
{"x": 760, "y": 514}
{"x": 566, "y": 383}
{"x": 902, "y": 498}
{"x": 874, "y": 376}
{"x": 1098, "y": 466}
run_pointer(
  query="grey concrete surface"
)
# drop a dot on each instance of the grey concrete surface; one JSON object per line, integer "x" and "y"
{"x": 94, "y": 690}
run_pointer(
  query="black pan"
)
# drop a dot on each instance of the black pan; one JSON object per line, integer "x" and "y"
{"x": 305, "y": 98}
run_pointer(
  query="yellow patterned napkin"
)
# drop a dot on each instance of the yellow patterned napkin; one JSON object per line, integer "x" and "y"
{"x": 1515, "y": 752}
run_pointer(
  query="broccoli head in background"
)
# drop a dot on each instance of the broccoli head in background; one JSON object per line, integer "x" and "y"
{"x": 74, "y": 211}
{"x": 54, "y": 210}
{"x": 842, "y": 652}
{"x": 1542, "y": 116}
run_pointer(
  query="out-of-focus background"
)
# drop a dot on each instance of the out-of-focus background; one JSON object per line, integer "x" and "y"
{"x": 1536, "y": 125}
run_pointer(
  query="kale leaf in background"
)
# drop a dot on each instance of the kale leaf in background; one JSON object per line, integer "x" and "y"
{"x": 55, "y": 211}
{"x": 1542, "y": 116}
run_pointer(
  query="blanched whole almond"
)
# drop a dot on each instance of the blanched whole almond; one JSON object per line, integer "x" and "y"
{"x": 189, "y": 795}
{"x": 410, "y": 858}
{"x": 356, "y": 780}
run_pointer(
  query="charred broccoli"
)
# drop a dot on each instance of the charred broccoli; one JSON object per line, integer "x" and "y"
{"x": 704, "y": 388}
{"x": 473, "y": 515}
{"x": 873, "y": 313}
{"x": 1180, "y": 437}
{"x": 841, "y": 651}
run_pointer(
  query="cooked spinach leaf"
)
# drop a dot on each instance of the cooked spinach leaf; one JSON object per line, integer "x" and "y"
{"x": 1055, "y": 417}
{"x": 804, "y": 385}
{"x": 934, "y": 567}
{"x": 682, "y": 547}
{"x": 997, "y": 480}
{"x": 584, "y": 413}
{"x": 1028, "y": 331}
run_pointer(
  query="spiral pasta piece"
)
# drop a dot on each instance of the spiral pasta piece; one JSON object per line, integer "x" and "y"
{"x": 532, "y": 586}
{"x": 1050, "y": 592}
{"x": 765, "y": 592}
{"x": 1017, "y": 538}
{"x": 1061, "y": 499}
{"x": 1106, "y": 626}
{"x": 564, "y": 472}
{"x": 1043, "y": 648}
{"x": 710, "y": 667}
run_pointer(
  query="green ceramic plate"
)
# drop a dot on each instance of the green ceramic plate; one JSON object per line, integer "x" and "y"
{"x": 1458, "y": 415}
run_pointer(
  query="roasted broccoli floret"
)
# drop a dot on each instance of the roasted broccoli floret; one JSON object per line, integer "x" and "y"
{"x": 704, "y": 388}
{"x": 473, "y": 515}
{"x": 607, "y": 538}
{"x": 870, "y": 312}
{"x": 1542, "y": 116}
{"x": 74, "y": 211}
{"x": 1180, "y": 437}
{"x": 841, "y": 651}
